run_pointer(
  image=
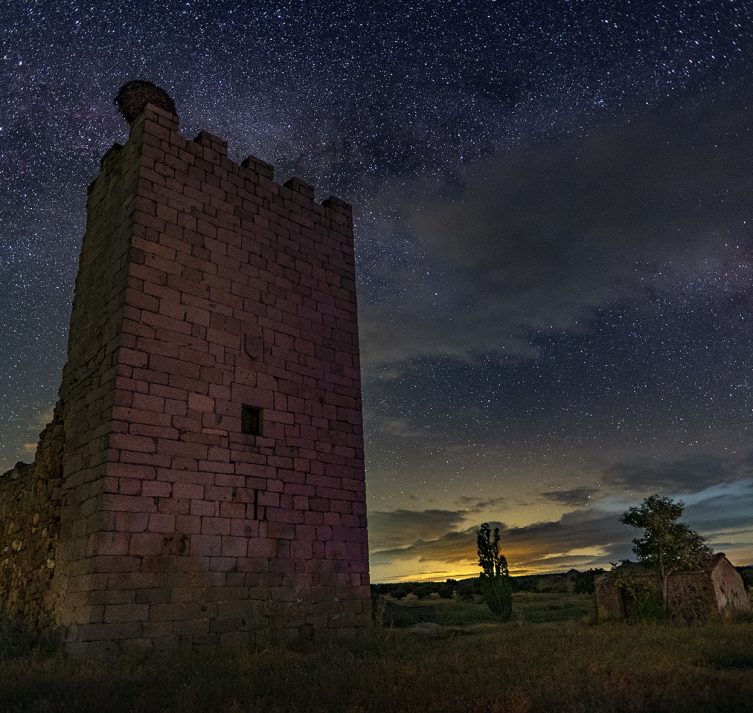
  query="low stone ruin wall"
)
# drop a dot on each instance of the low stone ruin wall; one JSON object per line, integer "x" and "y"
{"x": 714, "y": 594}
{"x": 29, "y": 526}
{"x": 391, "y": 613}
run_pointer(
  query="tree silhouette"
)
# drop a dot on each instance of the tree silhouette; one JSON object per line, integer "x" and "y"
{"x": 667, "y": 545}
{"x": 495, "y": 577}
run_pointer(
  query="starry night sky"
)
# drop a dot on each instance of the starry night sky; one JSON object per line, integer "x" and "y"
{"x": 554, "y": 227}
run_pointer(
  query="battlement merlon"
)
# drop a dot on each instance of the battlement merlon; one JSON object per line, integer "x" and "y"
{"x": 154, "y": 116}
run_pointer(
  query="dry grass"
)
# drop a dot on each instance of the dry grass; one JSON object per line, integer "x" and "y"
{"x": 566, "y": 666}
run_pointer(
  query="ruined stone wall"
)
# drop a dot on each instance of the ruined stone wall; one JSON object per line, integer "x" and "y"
{"x": 212, "y": 479}
{"x": 609, "y": 599}
{"x": 729, "y": 591}
{"x": 691, "y": 597}
{"x": 29, "y": 528}
{"x": 716, "y": 593}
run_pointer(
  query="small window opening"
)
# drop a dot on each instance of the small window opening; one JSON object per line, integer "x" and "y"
{"x": 251, "y": 420}
{"x": 258, "y": 509}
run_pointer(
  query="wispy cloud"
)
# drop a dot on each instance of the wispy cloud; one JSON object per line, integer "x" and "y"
{"x": 540, "y": 546}
{"x": 583, "y": 537}
{"x": 571, "y": 497}
{"x": 398, "y": 528}
{"x": 689, "y": 473}
{"x": 513, "y": 245}
{"x": 471, "y": 504}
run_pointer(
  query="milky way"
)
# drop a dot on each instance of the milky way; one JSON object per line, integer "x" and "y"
{"x": 553, "y": 216}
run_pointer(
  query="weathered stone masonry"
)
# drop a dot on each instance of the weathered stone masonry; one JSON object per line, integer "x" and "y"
{"x": 211, "y": 304}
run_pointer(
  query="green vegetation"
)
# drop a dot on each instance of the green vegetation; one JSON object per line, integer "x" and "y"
{"x": 550, "y": 657}
{"x": 495, "y": 576}
{"x": 666, "y": 545}
{"x": 528, "y": 608}
{"x": 465, "y": 589}
{"x": 17, "y": 643}
{"x": 642, "y": 603}
{"x": 747, "y": 574}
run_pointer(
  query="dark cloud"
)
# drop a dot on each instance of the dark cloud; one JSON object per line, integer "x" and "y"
{"x": 473, "y": 504}
{"x": 746, "y": 464}
{"x": 452, "y": 547}
{"x": 525, "y": 547}
{"x": 542, "y": 240}
{"x": 403, "y": 527}
{"x": 728, "y": 511}
{"x": 572, "y": 497}
{"x": 581, "y": 538}
{"x": 687, "y": 474}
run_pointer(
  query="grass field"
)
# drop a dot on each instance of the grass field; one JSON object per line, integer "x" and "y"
{"x": 549, "y": 658}
{"x": 528, "y": 608}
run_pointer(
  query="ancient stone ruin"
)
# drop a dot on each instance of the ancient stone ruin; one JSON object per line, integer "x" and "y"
{"x": 388, "y": 612}
{"x": 202, "y": 480}
{"x": 716, "y": 593}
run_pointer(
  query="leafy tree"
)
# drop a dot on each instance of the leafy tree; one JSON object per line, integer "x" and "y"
{"x": 643, "y": 603}
{"x": 747, "y": 574}
{"x": 399, "y": 592}
{"x": 447, "y": 589}
{"x": 584, "y": 581}
{"x": 466, "y": 588}
{"x": 495, "y": 577}
{"x": 667, "y": 545}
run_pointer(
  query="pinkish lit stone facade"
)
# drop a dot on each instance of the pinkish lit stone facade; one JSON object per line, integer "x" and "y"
{"x": 205, "y": 287}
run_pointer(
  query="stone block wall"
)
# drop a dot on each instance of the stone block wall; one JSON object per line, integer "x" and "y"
{"x": 87, "y": 391}
{"x": 729, "y": 594}
{"x": 29, "y": 529}
{"x": 213, "y": 478}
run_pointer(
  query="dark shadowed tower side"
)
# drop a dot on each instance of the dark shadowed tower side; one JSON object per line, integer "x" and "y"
{"x": 213, "y": 475}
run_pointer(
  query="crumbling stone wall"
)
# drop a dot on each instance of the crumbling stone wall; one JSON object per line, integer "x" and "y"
{"x": 691, "y": 597}
{"x": 208, "y": 292}
{"x": 729, "y": 591}
{"x": 716, "y": 593}
{"x": 29, "y": 528}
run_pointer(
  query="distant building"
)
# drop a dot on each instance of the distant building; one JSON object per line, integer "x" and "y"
{"x": 716, "y": 593}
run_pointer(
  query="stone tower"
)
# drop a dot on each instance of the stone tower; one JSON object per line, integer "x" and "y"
{"x": 205, "y": 483}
